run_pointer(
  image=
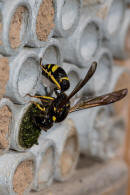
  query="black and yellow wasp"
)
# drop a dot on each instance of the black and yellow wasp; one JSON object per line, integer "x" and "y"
{"x": 56, "y": 109}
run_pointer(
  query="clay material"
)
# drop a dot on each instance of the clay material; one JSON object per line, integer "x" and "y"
{"x": 16, "y": 27}
{"x": 23, "y": 177}
{"x": 5, "y": 116}
{"x": 4, "y": 74}
{"x": 45, "y": 20}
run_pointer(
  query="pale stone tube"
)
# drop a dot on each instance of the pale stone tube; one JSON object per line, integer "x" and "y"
{"x": 115, "y": 16}
{"x": 51, "y": 53}
{"x": 81, "y": 47}
{"x": 67, "y": 17}
{"x": 45, "y": 153}
{"x": 14, "y": 15}
{"x": 96, "y": 137}
{"x": 112, "y": 13}
{"x": 66, "y": 139}
{"x": 16, "y": 173}
{"x": 120, "y": 43}
{"x": 24, "y": 76}
{"x": 102, "y": 76}
{"x": 52, "y": 18}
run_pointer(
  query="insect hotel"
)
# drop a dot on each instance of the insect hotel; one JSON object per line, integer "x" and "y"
{"x": 64, "y": 64}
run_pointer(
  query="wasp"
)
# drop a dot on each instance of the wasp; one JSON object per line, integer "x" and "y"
{"x": 56, "y": 75}
{"x": 56, "y": 109}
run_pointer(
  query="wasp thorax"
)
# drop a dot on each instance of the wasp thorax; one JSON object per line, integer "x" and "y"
{"x": 58, "y": 111}
{"x": 44, "y": 122}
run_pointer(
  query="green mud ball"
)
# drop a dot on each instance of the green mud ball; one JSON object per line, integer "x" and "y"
{"x": 29, "y": 130}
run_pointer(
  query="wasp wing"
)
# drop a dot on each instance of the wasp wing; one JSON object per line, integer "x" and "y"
{"x": 89, "y": 74}
{"x": 100, "y": 100}
{"x": 81, "y": 83}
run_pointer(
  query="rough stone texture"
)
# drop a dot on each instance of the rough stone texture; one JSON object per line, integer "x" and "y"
{"x": 95, "y": 178}
{"x": 45, "y": 20}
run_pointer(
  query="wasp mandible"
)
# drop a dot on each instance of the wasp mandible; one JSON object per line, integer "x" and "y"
{"x": 56, "y": 109}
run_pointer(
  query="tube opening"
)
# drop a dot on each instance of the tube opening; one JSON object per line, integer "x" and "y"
{"x": 89, "y": 42}
{"x": 115, "y": 16}
{"x": 102, "y": 74}
{"x": 46, "y": 169}
{"x": 70, "y": 12}
{"x": 28, "y": 76}
{"x": 51, "y": 55}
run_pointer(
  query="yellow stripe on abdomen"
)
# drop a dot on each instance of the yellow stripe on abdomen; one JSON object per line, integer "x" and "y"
{"x": 64, "y": 78}
{"x": 54, "y": 68}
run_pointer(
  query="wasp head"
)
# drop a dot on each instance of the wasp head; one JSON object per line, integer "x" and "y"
{"x": 65, "y": 84}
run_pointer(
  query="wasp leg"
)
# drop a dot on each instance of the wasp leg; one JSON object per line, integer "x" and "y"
{"x": 46, "y": 98}
{"x": 43, "y": 109}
